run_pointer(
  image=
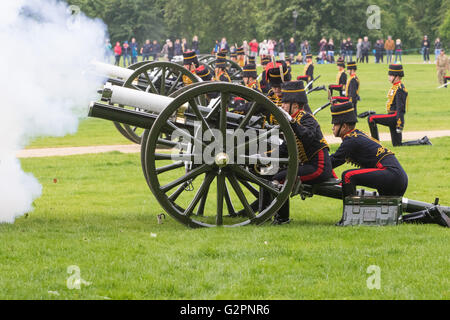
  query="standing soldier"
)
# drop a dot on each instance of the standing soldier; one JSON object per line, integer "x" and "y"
{"x": 352, "y": 87}
{"x": 442, "y": 65}
{"x": 396, "y": 109}
{"x": 221, "y": 68}
{"x": 190, "y": 62}
{"x": 309, "y": 70}
{"x": 341, "y": 78}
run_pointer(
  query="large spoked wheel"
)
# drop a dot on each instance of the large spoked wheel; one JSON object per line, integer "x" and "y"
{"x": 162, "y": 78}
{"x": 234, "y": 69}
{"x": 207, "y": 183}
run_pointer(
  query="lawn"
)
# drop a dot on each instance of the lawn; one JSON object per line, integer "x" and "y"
{"x": 425, "y": 103}
{"x": 99, "y": 215}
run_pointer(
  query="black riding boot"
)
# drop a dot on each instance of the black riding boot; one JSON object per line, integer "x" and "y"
{"x": 373, "y": 129}
{"x": 347, "y": 190}
{"x": 431, "y": 215}
{"x": 420, "y": 142}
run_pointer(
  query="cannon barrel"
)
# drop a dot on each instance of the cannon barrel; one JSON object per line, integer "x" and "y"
{"x": 150, "y": 103}
{"x": 112, "y": 71}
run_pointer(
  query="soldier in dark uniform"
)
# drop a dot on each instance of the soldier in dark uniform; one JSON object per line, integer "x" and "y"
{"x": 352, "y": 87}
{"x": 190, "y": 62}
{"x": 221, "y": 68}
{"x": 276, "y": 74}
{"x": 313, "y": 151}
{"x": 249, "y": 75}
{"x": 396, "y": 109}
{"x": 379, "y": 168}
{"x": 341, "y": 79}
{"x": 309, "y": 70}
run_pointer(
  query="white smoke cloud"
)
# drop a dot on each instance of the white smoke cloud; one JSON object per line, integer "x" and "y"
{"x": 44, "y": 84}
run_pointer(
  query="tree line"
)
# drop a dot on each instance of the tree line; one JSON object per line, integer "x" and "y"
{"x": 239, "y": 20}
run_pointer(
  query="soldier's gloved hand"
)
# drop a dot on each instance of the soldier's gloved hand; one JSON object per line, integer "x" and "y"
{"x": 399, "y": 130}
{"x": 287, "y": 115}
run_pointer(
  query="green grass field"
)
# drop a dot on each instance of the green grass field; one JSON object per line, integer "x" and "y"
{"x": 101, "y": 216}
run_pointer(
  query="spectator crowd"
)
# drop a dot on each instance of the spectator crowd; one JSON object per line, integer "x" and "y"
{"x": 383, "y": 51}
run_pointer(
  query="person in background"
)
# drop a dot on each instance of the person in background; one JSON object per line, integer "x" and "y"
{"x": 134, "y": 51}
{"x": 155, "y": 50}
{"x": 389, "y": 46}
{"x": 365, "y": 49}
{"x": 382, "y": 50}
{"x": 281, "y": 50}
{"x": 246, "y": 48}
{"x": 442, "y": 66}
{"x": 378, "y": 51}
{"x": 426, "y": 49}
{"x": 292, "y": 49}
{"x": 306, "y": 50}
{"x": 195, "y": 45}
{"x": 216, "y": 48}
{"x": 344, "y": 50}
{"x": 330, "y": 51}
{"x": 254, "y": 45}
{"x": 184, "y": 45}
{"x": 108, "y": 51}
{"x": 224, "y": 46}
{"x": 398, "y": 50}
{"x": 322, "y": 51}
{"x": 126, "y": 52}
{"x": 271, "y": 48}
{"x": 359, "y": 51}
{"x": 349, "y": 49}
{"x": 178, "y": 49}
{"x": 117, "y": 53}
{"x": 437, "y": 48}
{"x": 146, "y": 50}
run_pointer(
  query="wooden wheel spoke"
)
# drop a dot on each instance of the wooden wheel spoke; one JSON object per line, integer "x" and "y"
{"x": 238, "y": 190}
{"x": 187, "y": 177}
{"x": 170, "y": 167}
{"x": 175, "y": 157}
{"x": 245, "y": 145}
{"x": 153, "y": 88}
{"x": 224, "y": 97}
{"x": 261, "y": 160}
{"x": 220, "y": 197}
{"x": 185, "y": 134}
{"x": 175, "y": 84}
{"x": 254, "y": 179}
{"x": 167, "y": 143}
{"x": 229, "y": 203}
{"x": 204, "y": 188}
{"x": 247, "y": 117}
{"x": 163, "y": 82}
{"x": 173, "y": 197}
{"x": 199, "y": 115}
{"x": 250, "y": 188}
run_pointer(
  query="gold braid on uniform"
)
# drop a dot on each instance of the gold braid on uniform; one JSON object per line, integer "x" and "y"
{"x": 391, "y": 95}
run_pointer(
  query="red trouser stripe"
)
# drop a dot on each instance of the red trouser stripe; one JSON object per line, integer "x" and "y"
{"x": 350, "y": 174}
{"x": 319, "y": 171}
{"x": 382, "y": 116}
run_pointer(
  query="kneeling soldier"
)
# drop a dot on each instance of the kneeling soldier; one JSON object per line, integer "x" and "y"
{"x": 341, "y": 79}
{"x": 315, "y": 163}
{"x": 379, "y": 168}
{"x": 396, "y": 109}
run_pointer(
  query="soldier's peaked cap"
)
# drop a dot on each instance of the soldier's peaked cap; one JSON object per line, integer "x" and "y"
{"x": 396, "y": 70}
{"x": 293, "y": 91}
{"x": 343, "y": 113}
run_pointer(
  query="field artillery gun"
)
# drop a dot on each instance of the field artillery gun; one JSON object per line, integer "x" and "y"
{"x": 221, "y": 183}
